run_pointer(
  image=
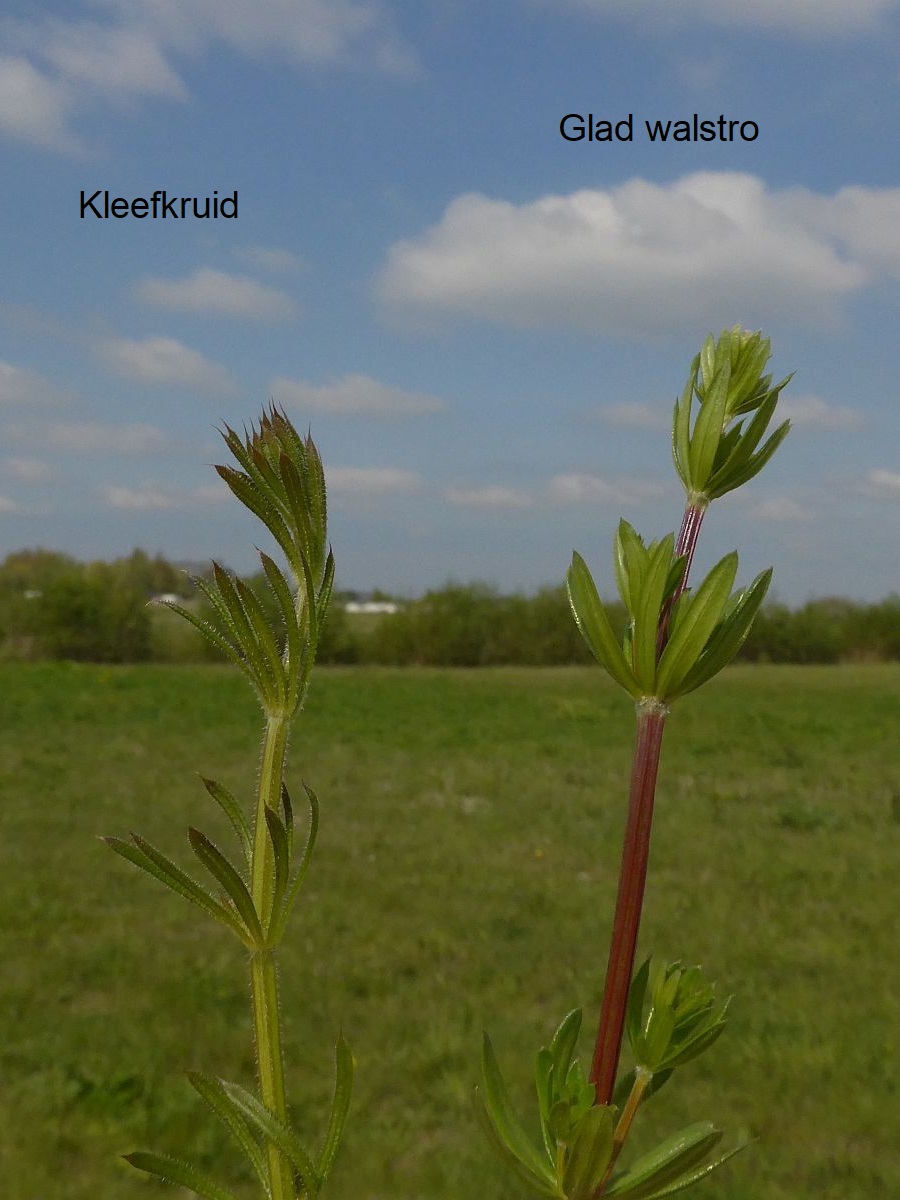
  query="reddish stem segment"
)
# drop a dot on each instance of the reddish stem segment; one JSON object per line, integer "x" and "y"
{"x": 632, "y": 877}
{"x": 636, "y": 849}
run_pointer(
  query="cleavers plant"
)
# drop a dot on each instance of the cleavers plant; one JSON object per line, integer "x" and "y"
{"x": 676, "y": 640}
{"x": 279, "y": 478}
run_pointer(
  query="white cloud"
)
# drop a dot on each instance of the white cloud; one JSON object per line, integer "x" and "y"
{"x": 634, "y": 415}
{"x": 269, "y": 258}
{"x": 882, "y": 484}
{"x": 161, "y": 360}
{"x": 27, "y": 470}
{"x": 578, "y": 488}
{"x": 491, "y": 498}
{"x": 647, "y": 259}
{"x": 813, "y": 18}
{"x": 812, "y": 412}
{"x": 115, "y": 61}
{"x": 782, "y": 508}
{"x": 371, "y": 481}
{"x": 151, "y": 497}
{"x": 34, "y": 108}
{"x": 216, "y": 292}
{"x": 7, "y": 505}
{"x": 128, "y": 56}
{"x": 353, "y": 395}
{"x": 86, "y": 437}
{"x": 21, "y": 387}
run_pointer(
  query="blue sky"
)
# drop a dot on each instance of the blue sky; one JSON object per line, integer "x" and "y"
{"x": 485, "y": 325}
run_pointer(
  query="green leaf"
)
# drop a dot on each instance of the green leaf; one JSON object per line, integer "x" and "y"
{"x": 232, "y": 811}
{"x": 589, "y": 1154}
{"x": 696, "y": 622}
{"x": 288, "y": 809}
{"x": 681, "y": 428}
{"x": 295, "y": 646}
{"x": 278, "y": 922}
{"x": 272, "y": 1128}
{"x": 647, "y": 612}
{"x": 149, "y": 859}
{"x": 591, "y": 619}
{"x": 343, "y": 1084}
{"x": 562, "y": 1047}
{"x": 757, "y": 462}
{"x": 267, "y": 684}
{"x": 537, "y": 1182}
{"x": 264, "y": 637}
{"x": 634, "y": 1013}
{"x": 213, "y": 635}
{"x": 176, "y": 1170}
{"x": 709, "y": 426}
{"x": 219, "y": 866}
{"x": 667, "y": 1163}
{"x": 278, "y": 838}
{"x": 728, "y": 638}
{"x": 505, "y": 1121}
{"x": 231, "y": 1116}
{"x": 693, "y": 1177}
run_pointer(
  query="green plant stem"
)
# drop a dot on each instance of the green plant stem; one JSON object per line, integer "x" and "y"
{"x": 263, "y": 979}
{"x": 651, "y": 719}
{"x": 642, "y": 1081}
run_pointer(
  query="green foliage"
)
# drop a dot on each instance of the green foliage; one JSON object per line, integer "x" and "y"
{"x": 448, "y": 782}
{"x": 721, "y": 452}
{"x": 283, "y": 484}
{"x": 708, "y": 626}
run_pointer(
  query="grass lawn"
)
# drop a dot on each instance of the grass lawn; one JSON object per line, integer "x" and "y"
{"x": 465, "y": 875}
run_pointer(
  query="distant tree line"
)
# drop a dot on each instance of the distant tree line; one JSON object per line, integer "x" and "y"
{"x": 53, "y": 606}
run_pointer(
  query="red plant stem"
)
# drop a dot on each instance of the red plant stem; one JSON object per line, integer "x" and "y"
{"x": 632, "y": 877}
{"x": 651, "y": 718}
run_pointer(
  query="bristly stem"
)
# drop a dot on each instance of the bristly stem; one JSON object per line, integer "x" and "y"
{"x": 651, "y": 718}
{"x": 263, "y": 978}
{"x": 651, "y": 721}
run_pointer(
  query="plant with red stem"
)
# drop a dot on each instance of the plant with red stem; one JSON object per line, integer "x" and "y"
{"x": 677, "y": 639}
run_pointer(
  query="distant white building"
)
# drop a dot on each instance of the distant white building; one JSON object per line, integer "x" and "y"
{"x": 371, "y": 606}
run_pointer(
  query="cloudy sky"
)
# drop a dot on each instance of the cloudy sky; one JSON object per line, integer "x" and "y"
{"x": 485, "y": 324}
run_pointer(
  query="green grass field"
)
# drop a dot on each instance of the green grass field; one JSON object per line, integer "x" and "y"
{"x": 465, "y": 875}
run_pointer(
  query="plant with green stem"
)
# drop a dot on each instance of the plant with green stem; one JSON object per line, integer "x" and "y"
{"x": 676, "y": 640}
{"x": 279, "y": 478}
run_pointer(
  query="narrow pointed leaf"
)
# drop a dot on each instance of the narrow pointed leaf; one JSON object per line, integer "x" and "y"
{"x": 695, "y": 627}
{"x": 278, "y": 838}
{"x": 282, "y": 592}
{"x": 176, "y": 1170}
{"x": 149, "y": 859}
{"x": 537, "y": 1182}
{"x": 562, "y": 1047}
{"x": 231, "y": 1116}
{"x": 219, "y": 866}
{"x": 708, "y": 427}
{"x": 288, "y": 809}
{"x": 343, "y": 1085}
{"x": 728, "y": 638}
{"x": 666, "y": 1163}
{"x": 757, "y": 462}
{"x": 504, "y": 1119}
{"x": 232, "y": 811}
{"x": 264, "y": 636}
{"x": 247, "y": 635}
{"x": 647, "y": 613}
{"x": 695, "y": 1176}
{"x": 276, "y": 1131}
{"x": 681, "y": 430}
{"x": 589, "y": 1155}
{"x": 213, "y": 635}
{"x": 591, "y": 619}
{"x": 279, "y": 921}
